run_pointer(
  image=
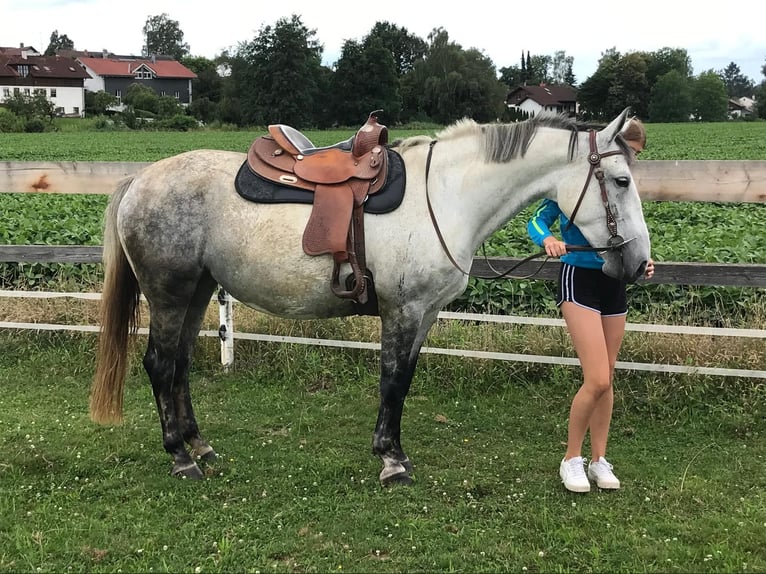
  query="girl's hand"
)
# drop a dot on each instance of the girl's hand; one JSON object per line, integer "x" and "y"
{"x": 554, "y": 247}
{"x": 649, "y": 273}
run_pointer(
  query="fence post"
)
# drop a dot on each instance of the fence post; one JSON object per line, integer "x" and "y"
{"x": 226, "y": 328}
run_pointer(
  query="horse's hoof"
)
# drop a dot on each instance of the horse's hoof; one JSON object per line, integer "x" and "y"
{"x": 408, "y": 466}
{"x": 400, "y": 478}
{"x": 190, "y": 471}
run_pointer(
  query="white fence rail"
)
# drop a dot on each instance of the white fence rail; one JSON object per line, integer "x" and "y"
{"x": 227, "y": 334}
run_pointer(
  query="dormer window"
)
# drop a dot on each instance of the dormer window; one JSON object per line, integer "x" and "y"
{"x": 143, "y": 73}
{"x": 23, "y": 70}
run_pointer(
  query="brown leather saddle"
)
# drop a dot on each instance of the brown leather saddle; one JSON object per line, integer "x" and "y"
{"x": 341, "y": 177}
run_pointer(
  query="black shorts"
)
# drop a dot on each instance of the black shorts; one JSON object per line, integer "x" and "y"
{"x": 591, "y": 289}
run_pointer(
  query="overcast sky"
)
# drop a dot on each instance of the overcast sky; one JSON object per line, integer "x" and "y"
{"x": 713, "y": 34}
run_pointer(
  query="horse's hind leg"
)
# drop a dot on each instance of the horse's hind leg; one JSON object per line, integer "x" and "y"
{"x": 401, "y": 340}
{"x": 174, "y": 326}
{"x": 182, "y": 397}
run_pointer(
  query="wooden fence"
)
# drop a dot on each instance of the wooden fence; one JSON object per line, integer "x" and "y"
{"x": 708, "y": 181}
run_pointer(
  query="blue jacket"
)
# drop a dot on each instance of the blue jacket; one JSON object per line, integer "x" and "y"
{"x": 539, "y": 227}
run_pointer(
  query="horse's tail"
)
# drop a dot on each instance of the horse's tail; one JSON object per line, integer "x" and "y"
{"x": 119, "y": 318}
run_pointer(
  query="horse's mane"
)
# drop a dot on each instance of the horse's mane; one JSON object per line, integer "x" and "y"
{"x": 503, "y": 142}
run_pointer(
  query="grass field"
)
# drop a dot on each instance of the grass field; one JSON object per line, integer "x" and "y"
{"x": 296, "y": 488}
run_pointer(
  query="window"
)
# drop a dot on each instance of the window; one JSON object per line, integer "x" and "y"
{"x": 23, "y": 70}
{"x": 76, "y": 110}
{"x": 39, "y": 91}
{"x": 178, "y": 95}
{"x": 26, "y": 91}
{"x": 6, "y": 92}
{"x": 118, "y": 95}
{"x": 163, "y": 93}
{"x": 16, "y": 91}
{"x": 53, "y": 92}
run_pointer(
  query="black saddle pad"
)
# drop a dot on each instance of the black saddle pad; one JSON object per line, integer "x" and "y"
{"x": 255, "y": 188}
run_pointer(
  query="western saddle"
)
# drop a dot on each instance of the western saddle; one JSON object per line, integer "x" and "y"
{"x": 341, "y": 176}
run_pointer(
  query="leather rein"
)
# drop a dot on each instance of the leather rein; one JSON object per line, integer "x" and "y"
{"x": 615, "y": 240}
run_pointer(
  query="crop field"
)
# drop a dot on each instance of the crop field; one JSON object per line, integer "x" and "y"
{"x": 295, "y": 488}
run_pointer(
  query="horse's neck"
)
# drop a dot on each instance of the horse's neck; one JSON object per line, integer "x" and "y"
{"x": 484, "y": 196}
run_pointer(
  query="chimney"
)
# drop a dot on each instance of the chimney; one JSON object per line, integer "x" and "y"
{"x": 21, "y": 45}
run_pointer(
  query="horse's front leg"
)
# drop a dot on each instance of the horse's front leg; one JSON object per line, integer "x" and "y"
{"x": 401, "y": 339}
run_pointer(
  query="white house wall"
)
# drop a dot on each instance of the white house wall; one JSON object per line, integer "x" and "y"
{"x": 72, "y": 100}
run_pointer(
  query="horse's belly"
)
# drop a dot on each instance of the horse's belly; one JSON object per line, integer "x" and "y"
{"x": 259, "y": 259}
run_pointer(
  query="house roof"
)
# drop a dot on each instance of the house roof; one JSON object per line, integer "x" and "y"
{"x": 41, "y": 67}
{"x": 126, "y": 67}
{"x": 543, "y": 94}
{"x": 13, "y": 51}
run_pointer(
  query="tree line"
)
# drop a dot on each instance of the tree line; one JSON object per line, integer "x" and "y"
{"x": 278, "y": 77}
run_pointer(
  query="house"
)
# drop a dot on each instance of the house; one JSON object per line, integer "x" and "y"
{"x": 536, "y": 99}
{"x": 114, "y": 75}
{"x": 23, "y": 70}
{"x": 741, "y": 107}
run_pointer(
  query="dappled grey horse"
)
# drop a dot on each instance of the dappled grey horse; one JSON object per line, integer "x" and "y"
{"x": 178, "y": 229}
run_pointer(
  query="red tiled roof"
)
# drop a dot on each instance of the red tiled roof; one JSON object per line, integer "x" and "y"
{"x": 42, "y": 67}
{"x": 119, "y": 67}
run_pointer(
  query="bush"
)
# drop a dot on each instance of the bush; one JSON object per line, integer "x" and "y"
{"x": 10, "y": 122}
{"x": 178, "y": 123}
{"x": 35, "y": 125}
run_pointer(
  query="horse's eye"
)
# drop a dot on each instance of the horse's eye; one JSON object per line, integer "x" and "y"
{"x": 622, "y": 181}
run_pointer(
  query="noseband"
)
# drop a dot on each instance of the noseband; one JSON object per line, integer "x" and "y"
{"x": 594, "y": 159}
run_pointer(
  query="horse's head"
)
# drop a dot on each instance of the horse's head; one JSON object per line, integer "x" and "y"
{"x": 604, "y": 204}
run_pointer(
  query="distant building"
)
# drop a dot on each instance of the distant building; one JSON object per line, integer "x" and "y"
{"x": 741, "y": 107}
{"x": 535, "y": 99}
{"x": 23, "y": 70}
{"x": 114, "y": 75}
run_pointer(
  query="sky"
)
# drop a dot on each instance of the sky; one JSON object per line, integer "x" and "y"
{"x": 712, "y": 35}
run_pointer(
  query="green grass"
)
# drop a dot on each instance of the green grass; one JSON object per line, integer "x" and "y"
{"x": 296, "y": 489}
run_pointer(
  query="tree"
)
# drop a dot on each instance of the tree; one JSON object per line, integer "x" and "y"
{"x": 164, "y": 36}
{"x": 511, "y": 76}
{"x": 141, "y": 97}
{"x": 662, "y": 61}
{"x": 537, "y": 70}
{"x": 98, "y": 103}
{"x": 709, "y": 98}
{"x": 277, "y": 76}
{"x": 405, "y": 48}
{"x": 561, "y": 68}
{"x": 671, "y": 99}
{"x": 593, "y": 93}
{"x": 630, "y": 87}
{"x": 452, "y": 83}
{"x": 365, "y": 79}
{"x": 29, "y": 107}
{"x": 58, "y": 43}
{"x": 737, "y": 84}
{"x": 760, "y": 96}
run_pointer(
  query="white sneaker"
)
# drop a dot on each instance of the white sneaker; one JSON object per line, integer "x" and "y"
{"x": 600, "y": 471}
{"x": 572, "y": 474}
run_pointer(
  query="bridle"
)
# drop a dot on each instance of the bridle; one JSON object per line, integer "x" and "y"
{"x": 614, "y": 243}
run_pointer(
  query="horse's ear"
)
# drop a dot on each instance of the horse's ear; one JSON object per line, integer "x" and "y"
{"x": 614, "y": 128}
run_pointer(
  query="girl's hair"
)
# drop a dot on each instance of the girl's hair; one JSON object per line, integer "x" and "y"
{"x": 634, "y": 130}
